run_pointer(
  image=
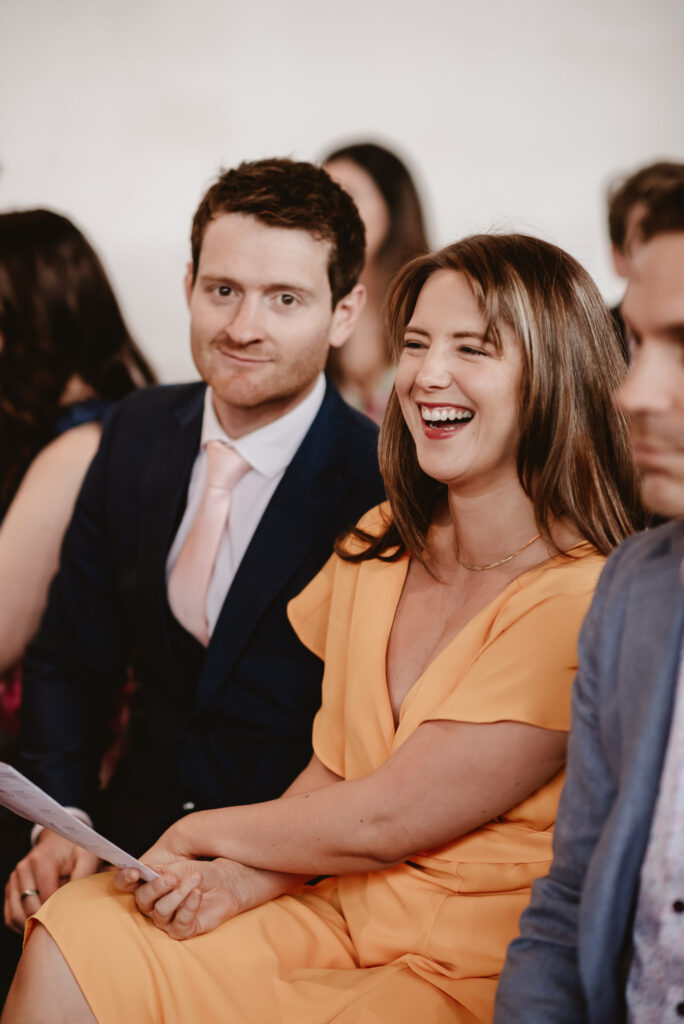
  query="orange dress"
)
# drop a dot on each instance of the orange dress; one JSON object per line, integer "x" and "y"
{"x": 422, "y": 941}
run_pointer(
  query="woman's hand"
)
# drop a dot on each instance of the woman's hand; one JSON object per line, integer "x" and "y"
{"x": 193, "y": 897}
{"x": 189, "y": 897}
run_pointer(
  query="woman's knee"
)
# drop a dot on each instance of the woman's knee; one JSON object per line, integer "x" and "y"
{"x": 44, "y": 989}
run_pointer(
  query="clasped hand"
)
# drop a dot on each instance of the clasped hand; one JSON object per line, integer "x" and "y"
{"x": 191, "y": 897}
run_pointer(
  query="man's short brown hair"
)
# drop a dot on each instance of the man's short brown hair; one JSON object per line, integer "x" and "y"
{"x": 666, "y": 213}
{"x": 642, "y": 187}
{"x": 290, "y": 194}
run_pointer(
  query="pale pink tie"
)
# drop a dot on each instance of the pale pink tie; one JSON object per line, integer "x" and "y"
{"x": 191, "y": 575}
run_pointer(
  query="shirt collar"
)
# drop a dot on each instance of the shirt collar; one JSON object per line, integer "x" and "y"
{"x": 270, "y": 449}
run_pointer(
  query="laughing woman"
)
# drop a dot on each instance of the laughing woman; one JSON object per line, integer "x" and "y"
{"x": 448, "y": 623}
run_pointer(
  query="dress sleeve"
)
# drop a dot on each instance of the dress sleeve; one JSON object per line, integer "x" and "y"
{"x": 309, "y": 611}
{"x": 524, "y": 670}
{"x": 325, "y": 616}
{"x": 323, "y": 625}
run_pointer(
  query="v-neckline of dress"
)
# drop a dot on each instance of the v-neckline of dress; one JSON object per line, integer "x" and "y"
{"x": 400, "y": 570}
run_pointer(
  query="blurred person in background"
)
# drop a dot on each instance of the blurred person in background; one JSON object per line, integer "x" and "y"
{"x": 388, "y": 201}
{"x": 629, "y": 200}
{"x": 65, "y": 357}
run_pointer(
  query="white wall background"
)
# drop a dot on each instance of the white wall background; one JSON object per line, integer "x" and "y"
{"x": 510, "y": 112}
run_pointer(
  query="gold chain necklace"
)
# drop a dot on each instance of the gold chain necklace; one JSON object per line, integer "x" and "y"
{"x": 502, "y": 561}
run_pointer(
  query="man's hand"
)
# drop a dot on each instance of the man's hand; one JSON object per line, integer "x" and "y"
{"x": 192, "y": 897}
{"x": 52, "y": 862}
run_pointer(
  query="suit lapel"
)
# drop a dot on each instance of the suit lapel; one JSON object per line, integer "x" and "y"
{"x": 163, "y": 497}
{"x": 311, "y": 488}
{"x": 649, "y": 667}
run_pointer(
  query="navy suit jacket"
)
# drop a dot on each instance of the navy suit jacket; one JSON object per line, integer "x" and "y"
{"x": 226, "y": 726}
{"x": 571, "y": 961}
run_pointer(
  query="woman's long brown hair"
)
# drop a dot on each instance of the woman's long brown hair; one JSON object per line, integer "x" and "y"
{"x": 58, "y": 318}
{"x": 574, "y": 458}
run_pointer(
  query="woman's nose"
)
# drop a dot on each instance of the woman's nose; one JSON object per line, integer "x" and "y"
{"x": 434, "y": 370}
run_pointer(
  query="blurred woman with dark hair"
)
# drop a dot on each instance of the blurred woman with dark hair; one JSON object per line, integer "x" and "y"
{"x": 65, "y": 357}
{"x": 448, "y": 623}
{"x": 387, "y": 199}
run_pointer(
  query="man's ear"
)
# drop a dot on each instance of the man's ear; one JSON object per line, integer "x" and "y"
{"x": 346, "y": 314}
{"x": 620, "y": 261}
{"x": 189, "y": 282}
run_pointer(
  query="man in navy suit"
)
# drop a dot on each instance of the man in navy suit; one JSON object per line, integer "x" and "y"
{"x": 277, "y": 249}
{"x": 603, "y": 939}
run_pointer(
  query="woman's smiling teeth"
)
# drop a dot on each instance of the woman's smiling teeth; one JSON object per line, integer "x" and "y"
{"x": 445, "y": 414}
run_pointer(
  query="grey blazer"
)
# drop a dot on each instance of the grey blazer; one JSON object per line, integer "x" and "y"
{"x": 571, "y": 960}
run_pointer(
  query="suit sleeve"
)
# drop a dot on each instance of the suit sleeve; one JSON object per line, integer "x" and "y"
{"x": 540, "y": 983}
{"x": 75, "y": 666}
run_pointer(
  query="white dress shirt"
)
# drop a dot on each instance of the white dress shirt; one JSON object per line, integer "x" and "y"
{"x": 269, "y": 451}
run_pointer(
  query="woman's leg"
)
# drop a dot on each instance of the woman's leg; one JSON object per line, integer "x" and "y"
{"x": 44, "y": 990}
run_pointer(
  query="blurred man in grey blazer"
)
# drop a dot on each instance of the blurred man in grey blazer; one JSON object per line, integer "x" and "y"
{"x": 603, "y": 939}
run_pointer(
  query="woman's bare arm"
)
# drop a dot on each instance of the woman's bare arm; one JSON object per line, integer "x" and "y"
{"x": 314, "y": 776}
{"x": 445, "y": 780}
{"x": 31, "y": 535}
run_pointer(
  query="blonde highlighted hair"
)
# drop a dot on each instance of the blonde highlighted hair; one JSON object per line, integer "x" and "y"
{"x": 574, "y": 457}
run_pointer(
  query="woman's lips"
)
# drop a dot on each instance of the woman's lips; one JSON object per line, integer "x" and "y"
{"x": 443, "y": 420}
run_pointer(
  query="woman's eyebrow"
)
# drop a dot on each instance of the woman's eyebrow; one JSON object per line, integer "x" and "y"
{"x": 474, "y": 333}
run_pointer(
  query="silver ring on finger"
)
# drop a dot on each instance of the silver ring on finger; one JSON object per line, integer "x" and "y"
{"x": 27, "y": 893}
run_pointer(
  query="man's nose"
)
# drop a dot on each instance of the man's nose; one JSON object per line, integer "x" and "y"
{"x": 246, "y": 324}
{"x": 648, "y": 385}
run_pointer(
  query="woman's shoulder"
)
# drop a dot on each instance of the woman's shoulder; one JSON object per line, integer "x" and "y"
{"x": 376, "y": 519}
{"x": 337, "y": 581}
{"x": 370, "y": 526}
{"x": 544, "y": 607}
{"x": 574, "y": 572}
{"x": 69, "y": 454}
{"x": 89, "y": 410}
